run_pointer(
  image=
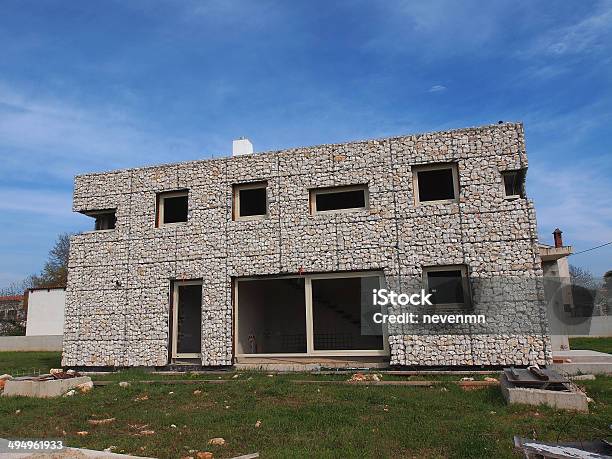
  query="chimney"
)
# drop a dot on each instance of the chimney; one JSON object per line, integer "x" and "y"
{"x": 558, "y": 239}
{"x": 242, "y": 146}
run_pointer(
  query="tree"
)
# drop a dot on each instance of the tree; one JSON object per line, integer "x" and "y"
{"x": 55, "y": 270}
{"x": 583, "y": 277}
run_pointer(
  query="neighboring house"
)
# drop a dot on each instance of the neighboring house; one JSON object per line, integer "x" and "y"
{"x": 12, "y": 314}
{"x": 555, "y": 268}
{"x": 263, "y": 258}
{"x": 573, "y": 309}
{"x": 46, "y": 311}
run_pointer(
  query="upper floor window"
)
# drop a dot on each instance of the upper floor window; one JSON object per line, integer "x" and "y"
{"x": 339, "y": 199}
{"x": 436, "y": 183}
{"x": 448, "y": 285}
{"x": 105, "y": 219}
{"x": 172, "y": 207}
{"x": 250, "y": 201}
{"x": 514, "y": 184}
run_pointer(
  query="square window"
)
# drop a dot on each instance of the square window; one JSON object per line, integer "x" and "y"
{"x": 172, "y": 207}
{"x": 251, "y": 201}
{"x": 514, "y": 183}
{"x": 436, "y": 183}
{"x": 338, "y": 199}
{"x": 105, "y": 219}
{"x": 448, "y": 286}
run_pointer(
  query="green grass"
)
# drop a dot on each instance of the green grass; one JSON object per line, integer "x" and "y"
{"x": 297, "y": 421}
{"x": 29, "y": 362}
{"x": 592, "y": 344}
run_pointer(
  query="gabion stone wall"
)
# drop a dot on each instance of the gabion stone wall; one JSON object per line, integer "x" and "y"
{"x": 117, "y": 303}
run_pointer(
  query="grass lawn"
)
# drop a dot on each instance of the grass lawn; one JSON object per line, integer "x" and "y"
{"x": 16, "y": 363}
{"x": 300, "y": 420}
{"x": 592, "y": 344}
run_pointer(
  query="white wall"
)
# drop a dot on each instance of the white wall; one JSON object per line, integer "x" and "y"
{"x": 46, "y": 312}
{"x": 31, "y": 343}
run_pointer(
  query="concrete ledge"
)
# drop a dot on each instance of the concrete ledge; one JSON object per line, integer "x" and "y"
{"x": 31, "y": 343}
{"x": 571, "y": 369}
{"x": 42, "y": 389}
{"x": 575, "y": 400}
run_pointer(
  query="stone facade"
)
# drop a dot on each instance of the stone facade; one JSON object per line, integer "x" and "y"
{"x": 117, "y": 304}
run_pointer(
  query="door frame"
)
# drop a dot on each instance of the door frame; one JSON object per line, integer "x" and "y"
{"x": 310, "y": 351}
{"x": 175, "y": 308}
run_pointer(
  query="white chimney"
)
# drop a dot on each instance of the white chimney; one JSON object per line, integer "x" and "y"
{"x": 242, "y": 146}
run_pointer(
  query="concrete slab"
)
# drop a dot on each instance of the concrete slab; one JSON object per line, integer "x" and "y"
{"x": 570, "y": 369}
{"x": 582, "y": 362}
{"x": 583, "y": 356}
{"x": 42, "y": 389}
{"x": 575, "y": 400}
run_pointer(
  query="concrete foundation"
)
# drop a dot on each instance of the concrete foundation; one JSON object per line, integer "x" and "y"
{"x": 562, "y": 400}
{"x": 582, "y": 362}
{"x": 42, "y": 389}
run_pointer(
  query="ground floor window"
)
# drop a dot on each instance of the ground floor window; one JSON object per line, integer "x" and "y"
{"x": 311, "y": 314}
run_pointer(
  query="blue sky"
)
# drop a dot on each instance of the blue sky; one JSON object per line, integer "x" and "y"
{"x": 92, "y": 86}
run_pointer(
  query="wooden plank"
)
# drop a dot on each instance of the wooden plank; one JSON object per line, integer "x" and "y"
{"x": 399, "y": 383}
{"x": 171, "y": 381}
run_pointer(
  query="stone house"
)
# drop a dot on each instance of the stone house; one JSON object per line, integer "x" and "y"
{"x": 265, "y": 258}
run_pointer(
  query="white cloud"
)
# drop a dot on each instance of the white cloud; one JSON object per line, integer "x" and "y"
{"x": 574, "y": 197}
{"x": 589, "y": 35}
{"x": 63, "y": 138}
{"x": 48, "y": 202}
{"x": 437, "y": 88}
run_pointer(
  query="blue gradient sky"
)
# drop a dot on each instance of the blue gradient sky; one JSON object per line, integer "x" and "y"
{"x": 92, "y": 86}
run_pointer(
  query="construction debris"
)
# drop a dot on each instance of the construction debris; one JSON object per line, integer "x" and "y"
{"x": 217, "y": 441}
{"x": 542, "y": 387}
{"x": 358, "y": 377}
{"x": 98, "y": 422}
{"x": 532, "y": 449}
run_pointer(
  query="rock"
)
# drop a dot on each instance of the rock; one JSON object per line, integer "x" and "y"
{"x": 217, "y": 441}
{"x": 110, "y": 449}
{"x": 85, "y": 387}
{"x": 70, "y": 372}
{"x": 582, "y": 378}
{"x": 147, "y": 432}
{"x": 235, "y": 376}
{"x": 82, "y": 433}
{"x": 173, "y": 426}
{"x": 98, "y": 422}
{"x": 54, "y": 371}
{"x": 258, "y": 423}
{"x": 491, "y": 379}
{"x": 590, "y": 400}
{"x": 197, "y": 392}
{"x": 70, "y": 393}
{"x": 204, "y": 455}
{"x": 124, "y": 384}
{"x": 170, "y": 393}
{"x": 6, "y": 377}
{"x": 140, "y": 398}
{"x": 17, "y": 411}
